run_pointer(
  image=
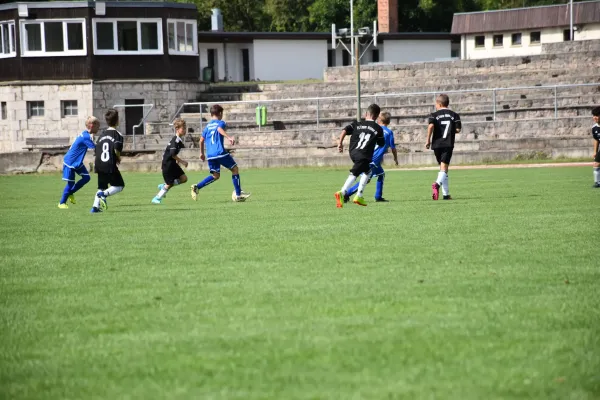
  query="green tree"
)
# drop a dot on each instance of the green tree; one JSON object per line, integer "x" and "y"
{"x": 323, "y": 13}
{"x": 289, "y": 15}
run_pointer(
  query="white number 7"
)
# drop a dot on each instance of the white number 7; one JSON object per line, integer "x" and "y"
{"x": 447, "y": 123}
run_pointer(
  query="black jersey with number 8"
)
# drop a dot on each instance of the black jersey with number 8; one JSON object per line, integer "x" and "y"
{"x": 365, "y": 135}
{"x": 445, "y": 123}
{"x": 109, "y": 144}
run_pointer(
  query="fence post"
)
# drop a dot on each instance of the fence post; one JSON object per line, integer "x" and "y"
{"x": 494, "y": 101}
{"x": 318, "y": 112}
{"x": 133, "y": 129}
{"x": 555, "y": 104}
{"x": 201, "y": 128}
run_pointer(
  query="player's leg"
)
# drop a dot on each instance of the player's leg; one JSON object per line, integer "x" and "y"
{"x": 69, "y": 178}
{"x": 214, "y": 167}
{"x": 377, "y": 171}
{"x": 597, "y": 170}
{"x": 341, "y": 194}
{"x": 173, "y": 176}
{"x": 85, "y": 178}
{"x": 440, "y": 156}
{"x": 364, "y": 168}
{"x": 116, "y": 184}
{"x": 229, "y": 163}
{"x": 444, "y": 165}
{"x": 102, "y": 185}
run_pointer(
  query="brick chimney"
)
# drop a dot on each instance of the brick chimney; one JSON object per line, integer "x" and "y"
{"x": 387, "y": 15}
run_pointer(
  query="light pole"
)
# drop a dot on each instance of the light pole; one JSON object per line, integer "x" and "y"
{"x": 571, "y": 29}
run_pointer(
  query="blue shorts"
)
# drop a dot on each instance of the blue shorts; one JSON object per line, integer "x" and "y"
{"x": 376, "y": 169}
{"x": 69, "y": 173}
{"x": 227, "y": 161}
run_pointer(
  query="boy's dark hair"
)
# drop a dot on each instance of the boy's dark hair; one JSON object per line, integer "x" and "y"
{"x": 112, "y": 117}
{"x": 443, "y": 99}
{"x": 385, "y": 118}
{"x": 596, "y": 112}
{"x": 374, "y": 110}
{"x": 216, "y": 109}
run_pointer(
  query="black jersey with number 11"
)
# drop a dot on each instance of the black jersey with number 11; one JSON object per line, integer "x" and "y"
{"x": 365, "y": 135}
{"x": 445, "y": 123}
{"x": 109, "y": 143}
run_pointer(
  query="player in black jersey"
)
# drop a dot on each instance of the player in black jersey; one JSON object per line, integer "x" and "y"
{"x": 596, "y": 136}
{"x": 365, "y": 135}
{"x": 443, "y": 125}
{"x": 108, "y": 156}
{"x": 172, "y": 172}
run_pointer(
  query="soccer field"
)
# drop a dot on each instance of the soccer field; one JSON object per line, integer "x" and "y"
{"x": 493, "y": 295}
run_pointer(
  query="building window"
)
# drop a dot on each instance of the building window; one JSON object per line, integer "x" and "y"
{"x": 498, "y": 40}
{"x": 69, "y": 108}
{"x": 331, "y": 58}
{"x": 535, "y": 37}
{"x": 454, "y": 53}
{"x": 35, "y": 109}
{"x": 516, "y": 39}
{"x": 567, "y": 35}
{"x": 4, "y": 111}
{"x": 53, "y": 38}
{"x": 375, "y": 55}
{"x": 479, "y": 41}
{"x": 7, "y": 39}
{"x": 182, "y": 36}
{"x": 127, "y": 36}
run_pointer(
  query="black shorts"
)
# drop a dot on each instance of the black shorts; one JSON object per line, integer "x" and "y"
{"x": 171, "y": 171}
{"x": 443, "y": 155}
{"x": 597, "y": 158}
{"x": 361, "y": 167}
{"x": 112, "y": 179}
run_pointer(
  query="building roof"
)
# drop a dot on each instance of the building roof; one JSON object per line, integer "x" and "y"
{"x": 249, "y": 37}
{"x": 91, "y": 4}
{"x": 526, "y": 18}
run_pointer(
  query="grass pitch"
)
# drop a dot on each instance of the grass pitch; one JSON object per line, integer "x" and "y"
{"x": 492, "y": 295}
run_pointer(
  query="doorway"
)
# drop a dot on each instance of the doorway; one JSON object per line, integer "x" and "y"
{"x": 133, "y": 116}
{"x": 245, "y": 65}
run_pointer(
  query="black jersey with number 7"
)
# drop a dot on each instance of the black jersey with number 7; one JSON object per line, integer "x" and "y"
{"x": 365, "y": 135}
{"x": 445, "y": 123}
{"x": 110, "y": 142}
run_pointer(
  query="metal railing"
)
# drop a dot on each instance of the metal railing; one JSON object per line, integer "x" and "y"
{"x": 320, "y": 101}
{"x": 145, "y": 115}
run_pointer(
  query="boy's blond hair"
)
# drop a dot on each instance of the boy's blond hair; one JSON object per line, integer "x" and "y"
{"x": 178, "y": 123}
{"x": 385, "y": 118}
{"x": 91, "y": 120}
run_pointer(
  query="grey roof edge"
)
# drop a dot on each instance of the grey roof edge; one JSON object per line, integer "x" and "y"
{"x": 91, "y": 4}
{"x": 525, "y": 8}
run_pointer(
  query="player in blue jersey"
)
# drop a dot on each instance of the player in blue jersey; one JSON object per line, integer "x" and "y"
{"x": 73, "y": 162}
{"x": 212, "y": 137}
{"x": 376, "y": 168}
{"x": 596, "y": 136}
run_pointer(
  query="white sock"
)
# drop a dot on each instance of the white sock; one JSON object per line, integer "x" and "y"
{"x": 440, "y": 178}
{"x": 111, "y": 191}
{"x": 162, "y": 193}
{"x": 445, "y": 190}
{"x": 96, "y": 201}
{"x": 364, "y": 178}
{"x": 348, "y": 184}
{"x": 597, "y": 175}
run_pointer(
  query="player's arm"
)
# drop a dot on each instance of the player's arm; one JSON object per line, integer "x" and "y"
{"x": 118, "y": 150}
{"x": 458, "y": 124}
{"x": 346, "y": 131}
{"x": 89, "y": 142}
{"x": 393, "y": 148}
{"x": 430, "y": 128}
{"x": 223, "y": 133}
{"x": 174, "y": 151}
{"x": 202, "y": 155}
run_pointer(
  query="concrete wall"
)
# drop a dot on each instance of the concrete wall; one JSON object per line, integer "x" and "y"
{"x": 18, "y": 126}
{"x": 289, "y": 60}
{"x": 407, "y": 51}
{"x": 551, "y": 35}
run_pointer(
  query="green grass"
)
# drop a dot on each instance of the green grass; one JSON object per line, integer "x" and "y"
{"x": 287, "y": 297}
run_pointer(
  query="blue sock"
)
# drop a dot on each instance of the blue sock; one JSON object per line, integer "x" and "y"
{"x": 80, "y": 183}
{"x": 207, "y": 181}
{"x": 66, "y": 193}
{"x": 379, "y": 188}
{"x": 237, "y": 184}
{"x": 353, "y": 189}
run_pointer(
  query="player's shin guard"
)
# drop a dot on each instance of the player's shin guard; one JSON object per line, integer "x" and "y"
{"x": 96, "y": 201}
{"x": 379, "y": 188}
{"x": 440, "y": 178}
{"x": 364, "y": 178}
{"x": 80, "y": 183}
{"x": 348, "y": 184}
{"x": 205, "y": 182}
{"x": 445, "y": 189}
{"x": 237, "y": 184}
{"x": 597, "y": 175}
{"x": 162, "y": 193}
{"x": 66, "y": 192}
{"x": 111, "y": 191}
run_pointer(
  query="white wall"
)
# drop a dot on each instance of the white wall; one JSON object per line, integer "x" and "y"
{"x": 289, "y": 59}
{"x": 550, "y": 35}
{"x": 220, "y": 58}
{"x": 406, "y": 51}
{"x": 235, "y": 72}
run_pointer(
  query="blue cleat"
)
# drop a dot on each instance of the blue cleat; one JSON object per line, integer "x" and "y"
{"x": 95, "y": 210}
{"x": 103, "y": 202}
{"x": 156, "y": 200}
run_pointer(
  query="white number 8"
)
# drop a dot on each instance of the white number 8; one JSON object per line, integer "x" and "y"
{"x": 105, "y": 156}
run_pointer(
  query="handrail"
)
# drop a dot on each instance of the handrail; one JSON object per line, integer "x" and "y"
{"x": 144, "y": 116}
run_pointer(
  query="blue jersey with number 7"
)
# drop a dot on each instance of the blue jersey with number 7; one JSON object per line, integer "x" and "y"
{"x": 213, "y": 140}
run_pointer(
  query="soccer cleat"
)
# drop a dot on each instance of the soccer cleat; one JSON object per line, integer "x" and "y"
{"x": 359, "y": 200}
{"x": 596, "y": 185}
{"x": 435, "y": 191}
{"x": 382, "y": 200}
{"x": 155, "y": 200}
{"x": 161, "y": 187}
{"x": 239, "y": 199}
{"x": 194, "y": 193}
{"x": 339, "y": 199}
{"x": 448, "y": 197}
{"x": 95, "y": 210}
{"x": 245, "y": 195}
{"x": 103, "y": 202}
{"x": 72, "y": 199}
{"x": 346, "y": 198}
{"x": 64, "y": 206}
